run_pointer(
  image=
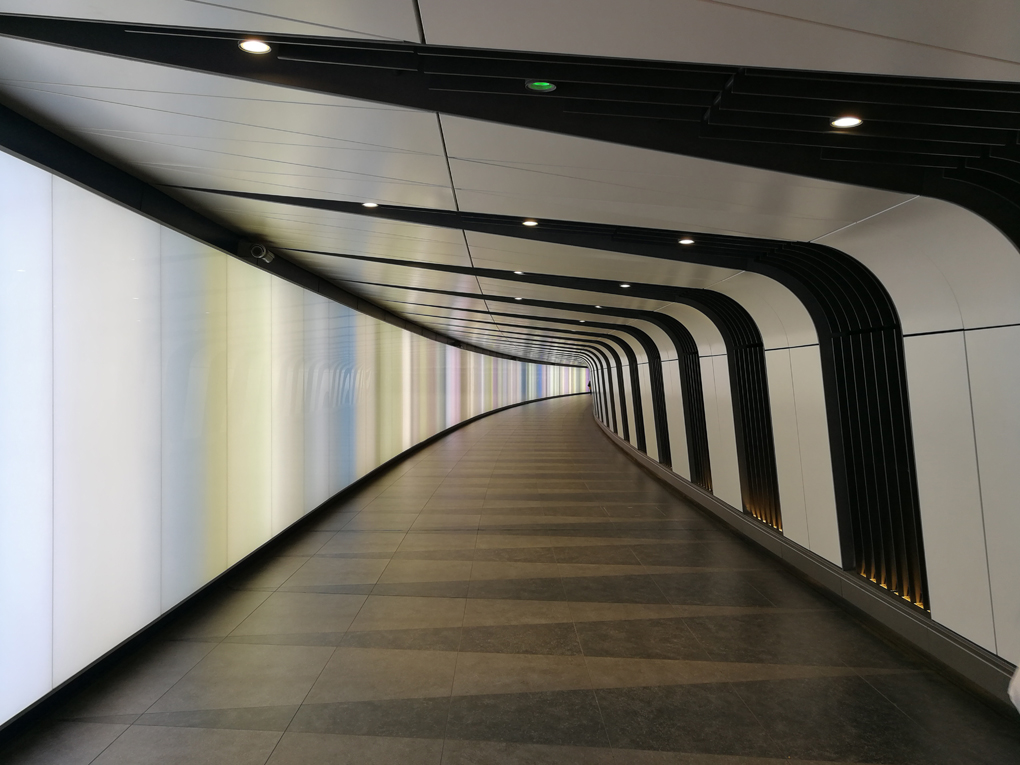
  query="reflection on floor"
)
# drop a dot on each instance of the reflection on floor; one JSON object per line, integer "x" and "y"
{"x": 519, "y": 593}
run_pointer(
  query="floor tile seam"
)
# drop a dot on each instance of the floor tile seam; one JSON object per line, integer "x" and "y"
{"x": 318, "y": 676}
{"x": 591, "y": 685}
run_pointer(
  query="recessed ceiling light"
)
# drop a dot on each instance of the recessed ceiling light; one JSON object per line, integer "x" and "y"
{"x": 847, "y": 121}
{"x": 540, "y": 86}
{"x": 254, "y": 46}
{"x": 531, "y": 223}
{"x": 519, "y": 273}
{"x": 369, "y": 204}
{"x": 625, "y": 286}
{"x": 686, "y": 240}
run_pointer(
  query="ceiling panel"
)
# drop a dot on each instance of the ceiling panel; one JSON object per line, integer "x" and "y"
{"x": 373, "y": 19}
{"x": 177, "y": 127}
{"x": 927, "y": 38}
{"x": 516, "y": 171}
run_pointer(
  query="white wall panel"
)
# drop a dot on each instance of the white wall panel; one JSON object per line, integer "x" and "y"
{"x": 317, "y": 403}
{"x": 722, "y": 444}
{"x": 702, "y": 329}
{"x": 787, "y": 443}
{"x": 944, "y": 266}
{"x": 815, "y": 454}
{"x": 952, "y": 524}
{"x": 781, "y": 317}
{"x": 288, "y": 404}
{"x": 994, "y": 362}
{"x": 677, "y": 423}
{"x": 26, "y": 435}
{"x": 194, "y": 417}
{"x": 249, "y": 408}
{"x": 106, "y": 341}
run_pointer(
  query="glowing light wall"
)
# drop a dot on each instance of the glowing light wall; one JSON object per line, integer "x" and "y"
{"x": 166, "y": 409}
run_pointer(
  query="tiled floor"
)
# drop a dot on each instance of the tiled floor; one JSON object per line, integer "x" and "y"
{"x": 518, "y": 593}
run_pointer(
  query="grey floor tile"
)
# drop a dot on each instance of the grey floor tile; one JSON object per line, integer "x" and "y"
{"x": 63, "y": 743}
{"x": 218, "y": 614}
{"x": 135, "y": 683}
{"x": 300, "y": 612}
{"x": 312, "y": 748}
{"x": 402, "y": 718}
{"x": 244, "y": 718}
{"x": 370, "y": 674}
{"x": 323, "y": 570}
{"x": 565, "y": 718}
{"x": 641, "y": 638}
{"x": 704, "y": 719}
{"x": 142, "y": 745}
{"x": 237, "y": 675}
{"x": 522, "y": 638}
{"x": 504, "y": 753}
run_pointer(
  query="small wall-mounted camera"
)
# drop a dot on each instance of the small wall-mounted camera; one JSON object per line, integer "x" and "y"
{"x": 257, "y": 251}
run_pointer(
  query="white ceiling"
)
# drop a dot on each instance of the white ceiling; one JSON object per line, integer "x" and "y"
{"x": 178, "y": 128}
{"x": 975, "y": 39}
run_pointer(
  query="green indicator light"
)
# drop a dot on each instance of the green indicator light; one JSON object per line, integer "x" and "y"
{"x": 540, "y": 86}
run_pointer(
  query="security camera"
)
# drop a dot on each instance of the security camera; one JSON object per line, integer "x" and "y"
{"x": 259, "y": 252}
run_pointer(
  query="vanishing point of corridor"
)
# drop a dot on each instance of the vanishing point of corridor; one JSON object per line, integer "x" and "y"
{"x": 518, "y": 592}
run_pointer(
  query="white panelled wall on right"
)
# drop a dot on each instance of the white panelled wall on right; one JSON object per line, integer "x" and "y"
{"x": 955, "y": 281}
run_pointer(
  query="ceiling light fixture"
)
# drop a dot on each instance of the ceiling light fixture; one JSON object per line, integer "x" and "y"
{"x": 518, "y": 298}
{"x": 625, "y": 286}
{"x": 369, "y": 204}
{"x": 519, "y": 273}
{"x": 540, "y": 86}
{"x": 254, "y": 46}
{"x": 686, "y": 240}
{"x": 531, "y": 223}
{"x": 847, "y": 121}
{"x": 582, "y": 321}
{"x": 598, "y": 306}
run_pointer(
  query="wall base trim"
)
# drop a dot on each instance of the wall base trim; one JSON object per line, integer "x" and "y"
{"x": 39, "y": 710}
{"x": 980, "y": 669}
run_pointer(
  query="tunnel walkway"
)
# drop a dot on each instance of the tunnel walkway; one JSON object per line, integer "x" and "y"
{"x": 518, "y": 592}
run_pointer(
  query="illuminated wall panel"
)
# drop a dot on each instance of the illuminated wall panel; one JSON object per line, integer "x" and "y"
{"x": 317, "y": 403}
{"x": 193, "y": 286}
{"x": 165, "y": 409}
{"x": 106, "y": 426}
{"x": 26, "y": 429}
{"x": 288, "y": 404}
{"x": 249, "y": 409}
